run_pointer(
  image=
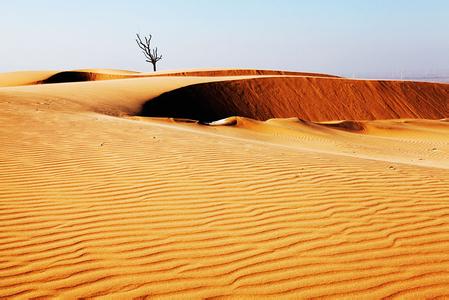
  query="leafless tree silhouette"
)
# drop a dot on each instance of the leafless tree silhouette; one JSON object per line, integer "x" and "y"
{"x": 150, "y": 54}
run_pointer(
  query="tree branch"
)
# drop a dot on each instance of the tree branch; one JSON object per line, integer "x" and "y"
{"x": 150, "y": 54}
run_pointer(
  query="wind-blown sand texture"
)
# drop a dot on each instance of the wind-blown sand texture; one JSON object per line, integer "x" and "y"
{"x": 97, "y": 199}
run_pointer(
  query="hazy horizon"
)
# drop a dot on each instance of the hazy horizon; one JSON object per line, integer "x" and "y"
{"x": 400, "y": 38}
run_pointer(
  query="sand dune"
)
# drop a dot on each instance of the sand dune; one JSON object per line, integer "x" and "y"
{"x": 98, "y": 202}
{"x": 240, "y": 72}
{"x": 45, "y": 77}
{"x": 23, "y": 77}
{"x": 112, "y": 97}
{"x": 310, "y": 98}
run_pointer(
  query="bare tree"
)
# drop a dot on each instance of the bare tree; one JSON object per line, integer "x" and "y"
{"x": 150, "y": 54}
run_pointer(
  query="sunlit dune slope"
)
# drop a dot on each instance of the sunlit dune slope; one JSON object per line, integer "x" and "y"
{"x": 310, "y": 98}
{"x": 413, "y": 137}
{"x": 23, "y": 77}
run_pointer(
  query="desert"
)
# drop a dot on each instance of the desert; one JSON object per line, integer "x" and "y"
{"x": 222, "y": 183}
{"x": 207, "y": 149}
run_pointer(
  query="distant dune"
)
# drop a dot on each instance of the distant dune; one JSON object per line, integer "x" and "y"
{"x": 45, "y": 77}
{"x": 221, "y": 195}
{"x": 23, "y": 77}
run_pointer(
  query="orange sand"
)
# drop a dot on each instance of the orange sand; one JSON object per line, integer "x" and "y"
{"x": 96, "y": 201}
{"x": 310, "y": 98}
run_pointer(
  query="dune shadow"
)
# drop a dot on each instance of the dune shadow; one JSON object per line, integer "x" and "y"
{"x": 192, "y": 102}
{"x": 69, "y": 76}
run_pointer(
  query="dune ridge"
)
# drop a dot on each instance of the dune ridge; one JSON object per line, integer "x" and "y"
{"x": 96, "y": 201}
{"x": 46, "y": 77}
{"x": 77, "y": 76}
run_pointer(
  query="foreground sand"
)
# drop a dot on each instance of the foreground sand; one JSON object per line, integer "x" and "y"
{"x": 96, "y": 201}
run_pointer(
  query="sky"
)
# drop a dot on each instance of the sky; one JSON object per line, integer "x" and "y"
{"x": 343, "y": 37}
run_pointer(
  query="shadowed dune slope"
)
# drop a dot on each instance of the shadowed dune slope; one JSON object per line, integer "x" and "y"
{"x": 77, "y": 76}
{"x": 309, "y": 98}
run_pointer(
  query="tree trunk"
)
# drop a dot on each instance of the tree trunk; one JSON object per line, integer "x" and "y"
{"x": 154, "y": 67}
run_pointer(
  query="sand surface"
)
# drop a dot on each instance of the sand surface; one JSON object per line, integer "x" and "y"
{"x": 99, "y": 200}
{"x": 310, "y": 98}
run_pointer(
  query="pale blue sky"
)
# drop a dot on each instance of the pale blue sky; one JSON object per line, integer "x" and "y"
{"x": 333, "y": 36}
